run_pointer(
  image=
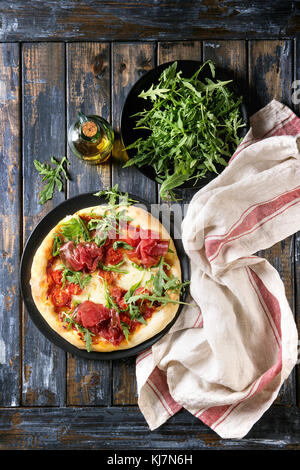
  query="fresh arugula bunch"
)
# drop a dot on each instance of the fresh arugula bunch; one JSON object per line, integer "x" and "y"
{"x": 54, "y": 177}
{"x": 191, "y": 128}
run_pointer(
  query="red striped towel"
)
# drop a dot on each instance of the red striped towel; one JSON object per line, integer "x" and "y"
{"x": 225, "y": 359}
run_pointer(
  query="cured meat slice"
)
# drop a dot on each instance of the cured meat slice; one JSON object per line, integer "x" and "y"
{"x": 84, "y": 256}
{"x": 100, "y": 320}
{"x": 90, "y": 314}
{"x": 149, "y": 249}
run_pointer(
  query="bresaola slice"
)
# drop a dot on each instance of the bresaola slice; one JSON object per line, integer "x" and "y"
{"x": 100, "y": 320}
{"x": 148, "y": 249}
{"x": 84, "y": 256}
{"x": 90, "y": 314}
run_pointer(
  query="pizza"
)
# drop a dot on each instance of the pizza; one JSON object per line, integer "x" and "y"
{"x": 107, "y": 277}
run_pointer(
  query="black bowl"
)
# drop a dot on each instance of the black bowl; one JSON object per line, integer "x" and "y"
{"x": 42, "y": 229}
{"x": 134, "y": 104}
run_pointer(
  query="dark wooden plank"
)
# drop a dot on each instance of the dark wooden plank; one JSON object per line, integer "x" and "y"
{"x": 88, "y": 91}
{"x": 129, "y": 62}
{"x": 10, "y": 219}
{"x": 187, "y": 50}
{"x": 270, "y": 76}
{"x": 43, "y": 136}
{"x": 124, "y": 428}
{"x": 229, "y": 55}
{"x": 179, "y": 50}
{"x": 270, "y": 72}
{"x": 128, "y": 20}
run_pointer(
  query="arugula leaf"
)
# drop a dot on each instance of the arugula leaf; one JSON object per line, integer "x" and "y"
{"x": 85, "y": 232}
{"x": 114, "y": 268}
{"x": 75, "y": 277}
{"x": 123, "y": 244}
{"x": 155, "y": 298}
{"x": 87, "y": 334}
{"x": 133, "y": 309}
{"x": 110, "y": 303}
{"x": 159, "y": 279}
{"x": 191, "y": 126}
{"x": 132, "y": 289}
{"x": 54, "y": 177}
{"x": 115, "y": 197}
{"x": 153, "y": 94}
{"x": 125, "y": 329}
{"x": 114, "y": 214}
{"x": 162, "y": 282}
{"x": 140, "y": 268}
{"x": 105, "y": 226}
{"x": 110, "y": 194}
{"x": 57, "y": 243}
{"x": 74, "y": 229}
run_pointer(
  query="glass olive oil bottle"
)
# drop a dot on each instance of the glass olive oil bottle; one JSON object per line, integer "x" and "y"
{"x": 91, "y": 138}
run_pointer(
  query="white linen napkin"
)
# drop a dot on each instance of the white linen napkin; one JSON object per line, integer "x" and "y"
{"x": 225, "y": 359}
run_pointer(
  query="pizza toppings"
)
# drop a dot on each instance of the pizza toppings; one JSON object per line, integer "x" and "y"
{"x": 84, "y": 256}
{"x": 118, "y": 295}
{"x": 113, "y": 256}
{"x": 90, "y": 314}
{"x": 93, "y": 246}
{"x": 57, "y": 277}
{"x": 100, "y": 320}
{"x": 149, "y": 251}
{"x": 125, "y": 310}
{"x": 60, "y": 298}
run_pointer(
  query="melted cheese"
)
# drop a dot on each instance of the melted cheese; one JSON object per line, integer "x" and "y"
{"x": 93, "y": 291}
{"x": 134, "y": 275}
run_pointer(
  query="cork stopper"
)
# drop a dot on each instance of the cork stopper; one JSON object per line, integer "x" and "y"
{"x": 89, "y": 129}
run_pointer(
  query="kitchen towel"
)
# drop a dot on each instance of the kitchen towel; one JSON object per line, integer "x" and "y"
{"x": 226, "y": 357}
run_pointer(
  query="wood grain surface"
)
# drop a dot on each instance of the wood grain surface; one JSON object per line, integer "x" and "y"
{"x": 129, "y": 63}
{"x": 10, "y": 218}
{"x": 127, "y": 20}
{"x": 124, "y": 428}
{"x": 43, "y": 135}
{"x": 88, "y": 91}
{"x": 270, "y": 76}
{"x": 50, "y": 399}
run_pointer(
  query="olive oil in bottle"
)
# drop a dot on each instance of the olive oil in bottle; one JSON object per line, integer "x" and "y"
{"x": 91, "y": 138}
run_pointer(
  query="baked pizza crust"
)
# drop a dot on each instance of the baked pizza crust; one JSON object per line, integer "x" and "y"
{"x": 39, "y": 286}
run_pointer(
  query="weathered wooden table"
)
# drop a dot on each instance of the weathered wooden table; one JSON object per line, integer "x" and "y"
{"x": 50, "y": 399}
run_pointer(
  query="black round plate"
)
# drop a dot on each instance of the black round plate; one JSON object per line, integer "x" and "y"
{"x": 42, "y": 229}
{"x": 134, "y": 104}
